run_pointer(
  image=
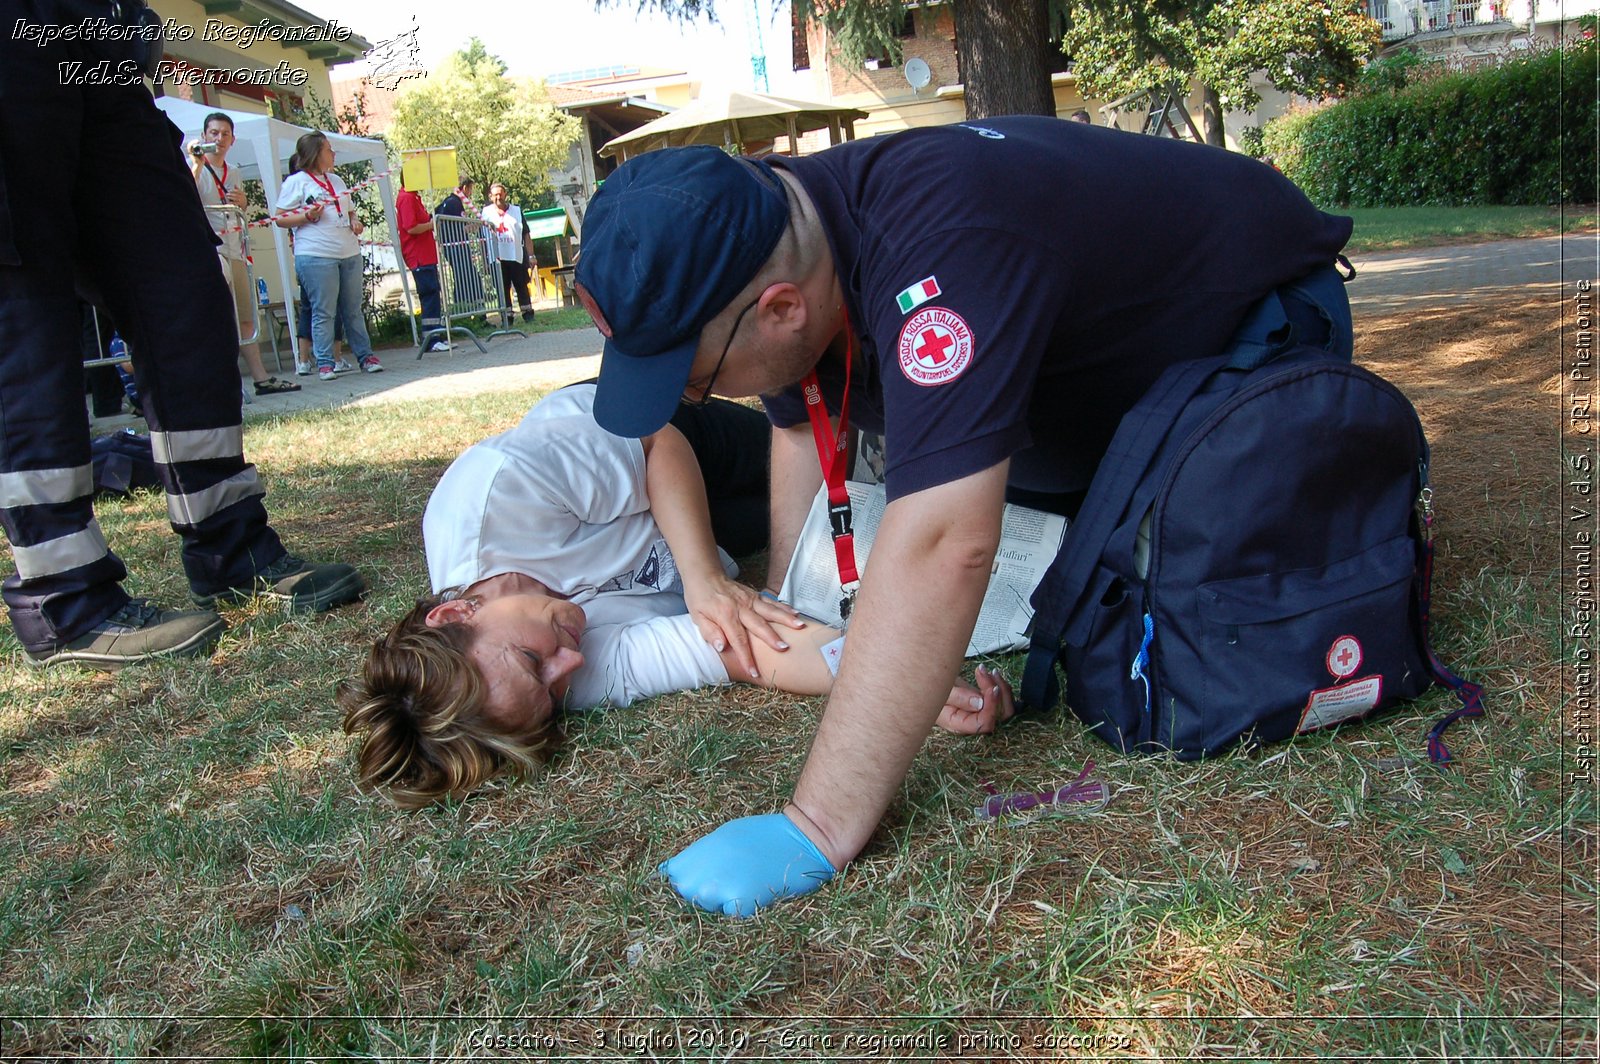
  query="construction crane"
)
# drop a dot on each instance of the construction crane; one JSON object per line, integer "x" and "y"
{"x": 758, "y": 50}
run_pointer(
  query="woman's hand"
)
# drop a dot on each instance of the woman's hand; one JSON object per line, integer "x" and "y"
{"x": 728, "y": 613}
{"x": 355, "y": 224}
{"x": 977, "y": 711}
{"x": 313, "y": 212}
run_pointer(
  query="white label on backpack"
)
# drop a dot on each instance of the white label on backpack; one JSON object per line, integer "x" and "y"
{"x": 1328, "y": 706}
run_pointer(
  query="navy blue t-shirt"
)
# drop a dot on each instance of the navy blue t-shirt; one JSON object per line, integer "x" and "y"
{"x": 1015, "y": 285}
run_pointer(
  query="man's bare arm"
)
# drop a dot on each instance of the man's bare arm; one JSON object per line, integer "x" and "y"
{"x": 930, "y": 567}
{"x": 796, "y": 476}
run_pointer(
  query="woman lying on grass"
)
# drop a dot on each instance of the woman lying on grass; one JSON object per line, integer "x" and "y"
{"x": 573, "y": 569}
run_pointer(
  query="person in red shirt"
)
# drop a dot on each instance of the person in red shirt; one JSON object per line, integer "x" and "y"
{"x": 422, "y": 257}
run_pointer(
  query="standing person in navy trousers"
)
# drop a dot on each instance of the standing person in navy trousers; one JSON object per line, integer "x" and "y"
{"x": 64, "y": 129}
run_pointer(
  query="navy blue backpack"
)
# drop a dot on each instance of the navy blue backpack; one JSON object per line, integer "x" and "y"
{"x": 123, "y": 462}
{"x": 1252, "y": 558}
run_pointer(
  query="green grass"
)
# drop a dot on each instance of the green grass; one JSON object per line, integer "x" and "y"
{"x": 190, "y": 870}
{"x": 1395, "y": 228}
{"x": 558, "y": 319}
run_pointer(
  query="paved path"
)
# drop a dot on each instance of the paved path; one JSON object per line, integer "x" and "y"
{"x": 1407, "y": 280}
{"x": 545, "y": 360}
{"x": 1386, "y": 283}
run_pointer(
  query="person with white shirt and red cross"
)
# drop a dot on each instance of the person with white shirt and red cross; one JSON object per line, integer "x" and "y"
{"x": 513, "y": 249}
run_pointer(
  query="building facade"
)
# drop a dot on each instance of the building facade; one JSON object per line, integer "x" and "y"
{"x": 924, "y": 89}
{"x": 1470, "y": 33}
{"x": 261, "y": 56}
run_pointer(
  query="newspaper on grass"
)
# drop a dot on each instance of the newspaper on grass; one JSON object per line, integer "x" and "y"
{"x": 1029, "y": 540}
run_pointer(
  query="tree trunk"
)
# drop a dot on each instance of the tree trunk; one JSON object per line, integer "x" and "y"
{"x": 1211, "y": 116}
{"x": 1002, "y": 47}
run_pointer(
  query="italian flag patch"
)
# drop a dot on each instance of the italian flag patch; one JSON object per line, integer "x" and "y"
{"x": 917, "y": 294}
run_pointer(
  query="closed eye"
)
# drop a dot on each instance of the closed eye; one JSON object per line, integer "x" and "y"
{"x": 534, "y": 659}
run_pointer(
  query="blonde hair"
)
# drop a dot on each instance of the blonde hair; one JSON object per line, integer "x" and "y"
{"x": 418, "y": 707}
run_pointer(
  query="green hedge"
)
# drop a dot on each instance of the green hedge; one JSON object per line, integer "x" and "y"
{"x": 1521, "y": 132}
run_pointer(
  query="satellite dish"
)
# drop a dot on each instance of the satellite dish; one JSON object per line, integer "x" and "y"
{"x": 917, "y": 74}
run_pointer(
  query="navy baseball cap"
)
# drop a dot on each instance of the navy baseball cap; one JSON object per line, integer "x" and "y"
{"x": 668, "y": 242}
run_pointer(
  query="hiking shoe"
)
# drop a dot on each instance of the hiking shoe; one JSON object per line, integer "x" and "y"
{"x": 370, "y": 364}
{"x": 298, "y": 584}
{"x": 303, "y": 369}
{"x": 138, "y": 632}
{"x": 273, "y": 386}
{"x": 326, "y": 373}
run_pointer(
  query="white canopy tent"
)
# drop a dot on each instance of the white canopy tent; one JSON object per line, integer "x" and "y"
{"x": 264, "y": 145}
{"x": 733, "y": 118}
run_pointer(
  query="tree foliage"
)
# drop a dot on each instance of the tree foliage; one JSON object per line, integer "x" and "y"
{"x": 1001, "y": 46}
{"x": 1313, "y": 48}
{"x": 1520, "y": 132}
{"x": 503, "y": 128}
{"x": 477, "y": 52}
{"x": 860, "y": 29}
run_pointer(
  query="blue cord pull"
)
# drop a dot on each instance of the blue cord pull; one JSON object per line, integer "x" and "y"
{"x": 1141, "y": 660}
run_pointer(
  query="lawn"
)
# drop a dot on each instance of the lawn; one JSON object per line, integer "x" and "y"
{"x": 557, "y": 319}
{"x": 1393, "y": 228}
{"x": 554, "y": 319}
{"x": 191, "y": 872}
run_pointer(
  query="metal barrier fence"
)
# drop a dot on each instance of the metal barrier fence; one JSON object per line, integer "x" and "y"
{"x": 227, "y": 218}
{"x": 469, "y": 282}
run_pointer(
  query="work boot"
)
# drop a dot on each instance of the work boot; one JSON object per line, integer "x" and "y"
{"x": 298, "y": 584}
{"x": 138, "y": 632}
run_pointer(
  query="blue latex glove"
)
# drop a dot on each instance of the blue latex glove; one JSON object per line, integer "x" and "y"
{"x": 747, "y": 864}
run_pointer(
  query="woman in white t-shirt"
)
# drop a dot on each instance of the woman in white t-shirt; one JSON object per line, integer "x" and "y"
{"x": 327, "y": 254}
{"x": 573, "y": 567}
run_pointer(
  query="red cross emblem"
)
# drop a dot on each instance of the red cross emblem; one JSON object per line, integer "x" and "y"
{"x": 935, "y": 347}
{"x": 1344, "y": 657}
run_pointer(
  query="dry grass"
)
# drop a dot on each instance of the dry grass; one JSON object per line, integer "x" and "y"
{"x": 190, "y": 870}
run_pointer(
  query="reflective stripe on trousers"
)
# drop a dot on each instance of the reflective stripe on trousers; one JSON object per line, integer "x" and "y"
{"x": 155, "y": 274}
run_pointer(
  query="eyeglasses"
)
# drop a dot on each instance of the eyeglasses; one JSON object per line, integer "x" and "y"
{"x": 705, "y": 394}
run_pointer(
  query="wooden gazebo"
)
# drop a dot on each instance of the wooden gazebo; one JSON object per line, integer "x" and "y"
{"x": 734, "y": 120}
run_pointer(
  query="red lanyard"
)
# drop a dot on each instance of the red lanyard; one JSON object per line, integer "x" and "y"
{"x": 220, "y": 182}
{"x": 832, "y": 453}
{"x": 327, "y": 186}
